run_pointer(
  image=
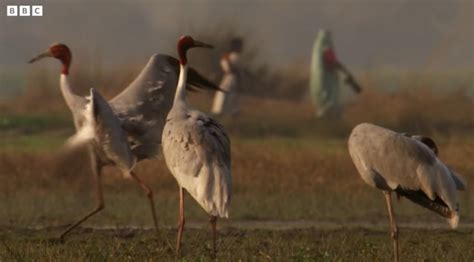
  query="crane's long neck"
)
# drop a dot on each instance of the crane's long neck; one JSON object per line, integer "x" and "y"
{"x": 72, "y": 100}
{"x": 180, "y": 97}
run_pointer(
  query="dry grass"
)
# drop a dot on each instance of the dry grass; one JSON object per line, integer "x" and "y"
{"x": 273, "y": 178}
{"x": 415, "y": 110}
{"x": 282, "y": 155}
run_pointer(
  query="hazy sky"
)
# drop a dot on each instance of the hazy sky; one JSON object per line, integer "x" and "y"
{"x": 415, "y": 34}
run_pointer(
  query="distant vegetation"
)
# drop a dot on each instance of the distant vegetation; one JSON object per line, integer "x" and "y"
{"x": 272, "y": 103}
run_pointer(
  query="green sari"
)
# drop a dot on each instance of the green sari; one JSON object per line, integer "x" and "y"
{"x": 324, "y": 84}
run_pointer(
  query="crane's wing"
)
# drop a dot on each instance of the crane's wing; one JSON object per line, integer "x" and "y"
{"x": 104, "y": 129}
{"x": 210, "y": 135}
{"x": 429, "y": 142}
{"x": 394, "y": 161}
{"x": 197, "y": 152}
{"x": 387, "y": 159}
{"x": 458, "y": 180}
{"x": 195, "y": 142}
{"x": 144, "y": 104}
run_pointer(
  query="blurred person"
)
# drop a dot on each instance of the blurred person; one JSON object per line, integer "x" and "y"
{"x": 325, "y": 74}
{"x": 228, "y": 102}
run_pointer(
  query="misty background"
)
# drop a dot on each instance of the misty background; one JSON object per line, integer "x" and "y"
{"x": 413, "y": 35}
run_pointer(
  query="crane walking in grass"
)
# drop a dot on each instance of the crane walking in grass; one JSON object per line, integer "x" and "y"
{"x": 409, "y": 166}
{"x": 197, "y": 152}
{"x": 126, "y": 129}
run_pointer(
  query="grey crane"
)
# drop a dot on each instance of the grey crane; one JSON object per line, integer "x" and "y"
{"x": 127, "y": 128}
{"x": 197, "y": 152}
{"x": 409, "y": 166}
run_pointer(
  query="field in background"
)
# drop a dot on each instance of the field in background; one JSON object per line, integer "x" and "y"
{"x": 288, "y": 167}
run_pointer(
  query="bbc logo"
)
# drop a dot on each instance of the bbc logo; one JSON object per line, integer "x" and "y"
{"x": 24, "y": 10}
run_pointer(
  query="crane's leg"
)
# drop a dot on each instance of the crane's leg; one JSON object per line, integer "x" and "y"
{"x": 149, "y": 194}
{"x": 393, "y": 224}
{"x": 213, "y": 221}
{"x": 180, "y": 220}
{"x": 97, "y": 172}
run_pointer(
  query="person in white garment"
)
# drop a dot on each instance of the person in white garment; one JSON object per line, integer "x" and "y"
{"x": 227, "y": 103}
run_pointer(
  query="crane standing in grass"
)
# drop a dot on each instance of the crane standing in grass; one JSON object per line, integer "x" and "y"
{"x": 128, "y": 128}
{"x": 197, "y": 152}
{"x": 408, "y": 166}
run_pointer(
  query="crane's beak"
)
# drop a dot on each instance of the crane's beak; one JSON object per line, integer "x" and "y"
{"x": 201, "y": 44}
{"x": 40, "y": 56}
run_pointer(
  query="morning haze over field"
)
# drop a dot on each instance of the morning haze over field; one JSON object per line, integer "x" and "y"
{"x": 401, "y": 33}
{"x": 416, "y": 36}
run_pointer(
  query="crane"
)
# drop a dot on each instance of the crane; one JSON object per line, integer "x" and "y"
{"x": 409, "y": 166}
{"x": 197, "y": 152}
{"x": 128, "y": 128}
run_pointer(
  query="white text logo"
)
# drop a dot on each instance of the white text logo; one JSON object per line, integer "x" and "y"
{"x": 24, "y": 10}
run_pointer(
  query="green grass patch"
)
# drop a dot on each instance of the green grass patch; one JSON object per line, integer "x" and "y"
{"x": 35, "y": 143}
{"x": 32, "y": 123}
{"x": 237, "y": 245}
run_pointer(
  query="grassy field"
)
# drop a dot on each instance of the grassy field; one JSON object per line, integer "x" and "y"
{"x": 347, "y": 244}
{"x": 296, "y": 196}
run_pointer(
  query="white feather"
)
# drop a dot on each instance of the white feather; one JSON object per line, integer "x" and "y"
{"x": 454, "y": 221}
{"x": 86, "y": 132}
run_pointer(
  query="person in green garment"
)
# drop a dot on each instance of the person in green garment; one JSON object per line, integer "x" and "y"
{"x": 325, "y": 74}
